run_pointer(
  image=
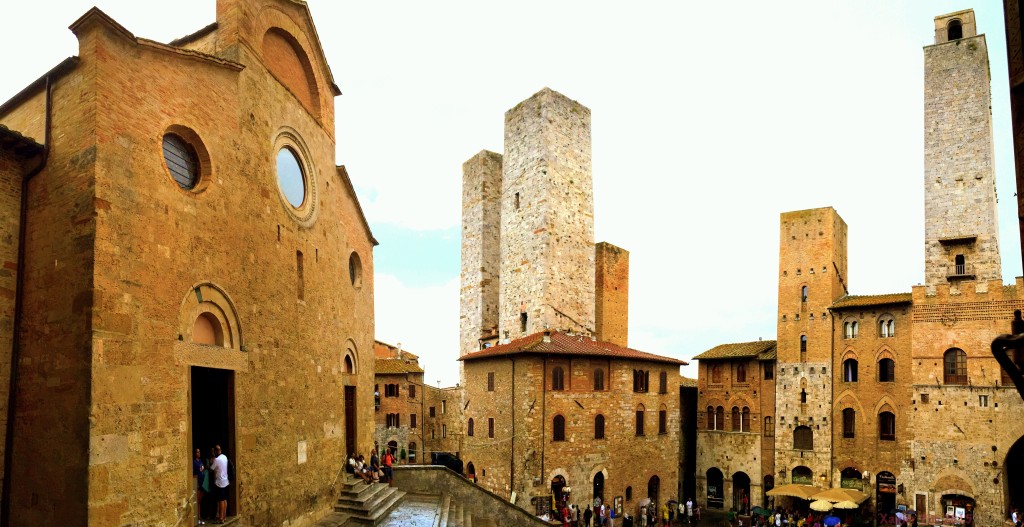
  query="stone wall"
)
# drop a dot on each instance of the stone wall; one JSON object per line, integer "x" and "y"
{"x": 481, "y": 226}
{"x": 547, "y": 218}
{"x": 442, "y": 432}
{"x": 612, "y": 294}
{"x": 408, "y": 438}
{"x": 959, "y": 174}
{"x": 479, "y": 502}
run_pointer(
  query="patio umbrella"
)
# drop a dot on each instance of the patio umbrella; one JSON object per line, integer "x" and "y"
{"x": 901, "y": 516}
{"x": 846, "y": 505}
{"x": 831, "y": 521}
{"x": 794, "y": 490}
{"x": 821, "y": 505}
{"x": 837, "y": 495}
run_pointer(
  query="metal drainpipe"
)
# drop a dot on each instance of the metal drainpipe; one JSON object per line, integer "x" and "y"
{"x": 543, "y": 417}
{"x": 512, "y": 452}
{"x": 5, "y": 497}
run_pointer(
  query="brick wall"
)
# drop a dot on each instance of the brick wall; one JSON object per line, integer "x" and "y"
{"x": 612, "y": 294}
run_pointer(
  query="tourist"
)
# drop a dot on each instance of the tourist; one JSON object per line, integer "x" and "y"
{"x": 220, "y": 482}
{"x": 350, "y": 465}
{"x": 689, "y": 510}
{"x": 643, "y": 516}
{"x": 199, "y": 472}
{"x": 389, "y": 459}
{"x": 586, "y": 516}
{"x": 362, "y": 470}
{"x": 609, "y": 517}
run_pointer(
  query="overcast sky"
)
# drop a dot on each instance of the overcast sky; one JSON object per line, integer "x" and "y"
{"x": 709, "y": 120}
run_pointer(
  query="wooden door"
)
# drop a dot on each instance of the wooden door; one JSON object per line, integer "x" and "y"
{"x": 350, "y": 419}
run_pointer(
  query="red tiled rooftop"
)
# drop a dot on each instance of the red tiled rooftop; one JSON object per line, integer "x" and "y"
{"x": 563, "y": 344}
{"x": 384, "y": 366}
{"x": 872, "y": 300}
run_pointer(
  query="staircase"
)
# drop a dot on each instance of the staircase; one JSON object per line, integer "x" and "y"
{"x": 366, "y": 504}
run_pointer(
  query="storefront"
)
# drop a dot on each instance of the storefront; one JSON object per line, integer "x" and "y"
{"x": 957, "y": 510}
{"x": 885, "y": 498}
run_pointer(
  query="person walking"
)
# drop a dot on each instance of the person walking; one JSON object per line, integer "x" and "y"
{"x": 220, "y": 482}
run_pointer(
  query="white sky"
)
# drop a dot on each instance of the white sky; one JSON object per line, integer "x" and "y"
{"x": 709, "y": 120}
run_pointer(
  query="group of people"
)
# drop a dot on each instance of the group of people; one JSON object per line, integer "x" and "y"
{"x": 212, "y": 481}
{"x": 377, "y": 470}
{"x": 648, "y": 515}
{"x": 600, "y": 516}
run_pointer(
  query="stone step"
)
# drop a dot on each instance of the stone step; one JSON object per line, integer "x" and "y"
{"x": 370, "y": 502}
{"x": 366, "y": 494}
{"x": 443, "y": 510}
{"x": 382, "y": 508}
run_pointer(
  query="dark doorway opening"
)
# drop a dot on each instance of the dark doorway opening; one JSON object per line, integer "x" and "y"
{"x": 885, "y": 496}
{"x": 350, "y": 420}
{"x": 557, "y": 484}
{"x": 213, "y": 423}
{"x": 1013, "y": 472}
{"x": 653, "y": 488}
{"x": 715, "y": 481}
{"x": 598, "y": 487}
{"x": 769, "y": 484}
{"x": 741, "y": 492}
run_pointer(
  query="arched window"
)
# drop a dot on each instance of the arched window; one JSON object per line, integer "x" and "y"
{"x": 803, "y": 438}
{"x": 849, "y": 422}
{"x": 599, "y": 427}
{"x": 711, "y": 418}
{"x": 663, "y": 382}
{"x": 469, "y": 427}
{"x": 558, "y": 433}
{"x": 887, "y": 426}
{"x": 954, "y": 366}
{"x": 348, "y": 366}
{"x": 745, "y": 420}
{"x": 802, "y": 475}
{"x": 629, "y": 493}
{"x": 955, "y": 30}
{"x": 558, "y": 379}
{"x": 803, "y": 346}
{"x": 735, "y": 419}
{"x": 886, "y": 326}
{"x": 769, "y": 427}
{"x": 598, "y": 380}
{"x": 803, "y": 294}
{"x": 716, "y": 374}
{"x": 720, "y": 418}
{"x": 803, "y": 396}
{"x": 886, "y": 370}
{"x": 850, "y": 370}
{"x": 641, "y": 381}
{"x": 412, "y": 452}
{"x": 640, "y": 420}
{"x": 741, "y": 373}
{"x": 850, "y": 329}
{"x": 470, "y": 469}
{"x": 663, "y": 420}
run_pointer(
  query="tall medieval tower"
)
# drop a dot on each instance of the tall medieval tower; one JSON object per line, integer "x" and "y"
{"x": 529, "y": 261}
{"x": 547, "y": 218}
{"x": 961, "y": 231}
{"x": 812, "y": 275}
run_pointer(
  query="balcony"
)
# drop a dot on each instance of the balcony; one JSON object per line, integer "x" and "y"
{"x": 962, "y": 271}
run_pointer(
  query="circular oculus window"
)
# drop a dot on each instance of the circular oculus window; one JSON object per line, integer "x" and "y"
{"x": 181, "y": 161}
{"x": 290, "y": 177}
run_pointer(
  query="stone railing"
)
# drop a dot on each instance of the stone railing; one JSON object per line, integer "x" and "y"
{"x": 479, "y": 502}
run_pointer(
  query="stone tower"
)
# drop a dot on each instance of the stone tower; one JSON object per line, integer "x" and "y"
{"x": 812, "y": 275}
{"x": 481, "y": 225}
{"x": 547, "y": 218}
{"x": 961, "y": 233}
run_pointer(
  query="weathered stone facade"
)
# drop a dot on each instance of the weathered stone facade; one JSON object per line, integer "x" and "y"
{"x": 481, "y": 251}
{"x": 158, "y": 318}
{"x": 612, "y": 294}
{"x": 912, "y": 398}
{"x": 521, "y": 452}
{"x": 399, "y": 403}
{"x": 961, "y": 232}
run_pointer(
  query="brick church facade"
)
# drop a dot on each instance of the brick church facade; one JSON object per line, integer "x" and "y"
{"x": 135, "y": 328}
{"x": 895, "y": 394}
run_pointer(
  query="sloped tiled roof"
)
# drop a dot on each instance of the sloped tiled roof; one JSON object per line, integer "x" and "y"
{"x": 17, "y": 143}
{"x": 739, "y": 350}
{"x": 872, "y": 300}
{"x": 396, "y": 366}
{"x": 562, "y": 344}
{"x": 769, "y": 354}
{"x": 687, "y": 382}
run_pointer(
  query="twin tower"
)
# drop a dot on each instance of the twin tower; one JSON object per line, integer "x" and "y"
{"x": 529, "y": 262}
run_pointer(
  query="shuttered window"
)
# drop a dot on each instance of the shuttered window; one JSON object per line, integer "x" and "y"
{"x": 181, "y": 161}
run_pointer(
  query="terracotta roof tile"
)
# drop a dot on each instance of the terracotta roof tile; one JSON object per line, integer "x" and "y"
{"x": 872, "y": 300}
{"x": 396, "y": 366}
{"x": 739, "y": 350}
{"x": 687, "y": 382}
{"x": 21, "y": 145}
{"x": 562, "y": 344}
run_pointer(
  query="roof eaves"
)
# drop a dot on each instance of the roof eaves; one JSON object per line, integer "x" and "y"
{"x": 188, "y": 39}
{"x": 343, "y": 174}
{"x": 26, "y": 93}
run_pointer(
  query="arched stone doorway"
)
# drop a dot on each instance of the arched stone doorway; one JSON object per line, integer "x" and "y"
{"x": 557, "y": 484}
{"x": 885, "y": 494}
{"x": 393, "y": 447}
{"x": 850, "y": 478}
{"x": 653, "y": 488}
{"x": 598, "y": 487}
{"x": 716, "y": 488}
{"x": 802, "y": 475}
{"x": 962, "y": 508}
{"x": 1013, "y": 476}
{"x": 741, "y": 492}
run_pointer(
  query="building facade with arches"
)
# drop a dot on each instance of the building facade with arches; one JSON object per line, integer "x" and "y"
{"x": 898, "y": 394}
{"x": 195, "y": 270}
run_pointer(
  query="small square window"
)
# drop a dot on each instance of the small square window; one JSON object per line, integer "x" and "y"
{"x": 983, "y": 401}
{"x": 924, "y": 398}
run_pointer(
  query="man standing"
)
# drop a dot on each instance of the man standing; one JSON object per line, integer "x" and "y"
{"x": 220, "y": 482}
{"x": 389, "y": 459}
{"x": 586, "y": 516}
